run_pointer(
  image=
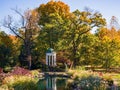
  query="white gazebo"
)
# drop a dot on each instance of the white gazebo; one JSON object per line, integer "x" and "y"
{"x": 51, "y": 57}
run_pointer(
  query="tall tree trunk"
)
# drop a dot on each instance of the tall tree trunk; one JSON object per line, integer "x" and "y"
{"x": 74, "y": 58}
{"x": 28, "y": 52}
{"x": 74, "y": 54}
{"x": 29, "y": 59}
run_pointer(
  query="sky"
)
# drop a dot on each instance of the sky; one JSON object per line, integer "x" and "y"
{"x": 107, "y": 8}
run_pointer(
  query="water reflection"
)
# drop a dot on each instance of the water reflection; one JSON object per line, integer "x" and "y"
{"x": 53, "y": 83}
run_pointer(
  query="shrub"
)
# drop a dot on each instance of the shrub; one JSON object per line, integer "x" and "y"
{"x": 7, "y": 69}
{"x": 4, "y": 87}
{"x": 20, "y": 82}
{"x": 35, "y": 73}
{"x": 20, "y": 71}
{"x": 2, "y": 76}
{"x": 86, "y": 80}
{"x": 90, "y": 83}
{"x": 76, "y": 74}
{"x": 15, "y": 71}
{"x": 19, "y": 79}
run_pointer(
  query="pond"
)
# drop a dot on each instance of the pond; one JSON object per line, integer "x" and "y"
{"x": 53, "y": 83}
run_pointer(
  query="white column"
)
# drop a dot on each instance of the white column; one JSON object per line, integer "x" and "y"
{"x": 55, "y": 59}
{"x": 49, "y": 60}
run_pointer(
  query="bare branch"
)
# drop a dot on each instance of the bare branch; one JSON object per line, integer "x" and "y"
{"x": 8, "y": 24}
{"x": 13, "y": 30}
{"x": 22, "y": 16}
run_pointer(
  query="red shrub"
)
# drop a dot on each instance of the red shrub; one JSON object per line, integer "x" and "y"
{"x": 20, "y": 71}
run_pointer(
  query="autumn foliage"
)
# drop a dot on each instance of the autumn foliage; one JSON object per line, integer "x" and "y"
{"x": 53, "y": 25}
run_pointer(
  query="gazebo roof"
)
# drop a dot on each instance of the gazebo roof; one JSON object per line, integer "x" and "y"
{"x": 50, "y": 50}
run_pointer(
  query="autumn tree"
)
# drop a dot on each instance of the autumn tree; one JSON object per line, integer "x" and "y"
{"x": 26, "y": 30}
{"x": 109, "y": 47}
{"x": 53, "y": 20}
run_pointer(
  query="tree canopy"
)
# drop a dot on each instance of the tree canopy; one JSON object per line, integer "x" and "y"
{"x": 53, "y": 25}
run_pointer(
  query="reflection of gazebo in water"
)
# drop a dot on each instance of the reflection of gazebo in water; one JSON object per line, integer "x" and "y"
{"x": 51, "y": 57}
{"x": 51, "y": 83}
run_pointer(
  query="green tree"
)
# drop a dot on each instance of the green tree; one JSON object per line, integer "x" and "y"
{"x": 53, "y": 21}
{"x": 87, "y": 54}
{"x": 80, "y": 24}
{"x": 6, "y": 51}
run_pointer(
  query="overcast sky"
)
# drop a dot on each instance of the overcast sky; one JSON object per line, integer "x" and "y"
{"x": 108, "y": 8}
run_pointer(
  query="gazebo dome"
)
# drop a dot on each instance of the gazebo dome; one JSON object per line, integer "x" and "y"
{"x": 50, "y": 50}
